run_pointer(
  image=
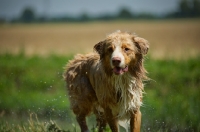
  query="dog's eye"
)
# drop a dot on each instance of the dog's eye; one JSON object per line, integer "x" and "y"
{"x": 126, "y": 49}
{"x": 110, "y": 49}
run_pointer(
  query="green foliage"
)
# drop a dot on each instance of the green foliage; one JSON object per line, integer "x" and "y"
{"x": 125, "y": 14}
{"x": 32, "y": 84}
{"x": 35, "y": 84}
{"x": 172, "y": 99}
{"x": 189, "y": 8}
{"x": 28, "y": 15}
{"x": 32, "y": 125}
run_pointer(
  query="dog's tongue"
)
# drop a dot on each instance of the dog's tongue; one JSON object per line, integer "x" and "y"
{"x": 119, "y": 70}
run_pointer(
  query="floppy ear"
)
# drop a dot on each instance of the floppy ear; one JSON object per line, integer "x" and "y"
{"x": 142, "y": 45}
{"x": 99, "y": 48}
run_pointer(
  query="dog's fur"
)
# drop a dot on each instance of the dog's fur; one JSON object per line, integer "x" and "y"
{"x": 109, "y": 82}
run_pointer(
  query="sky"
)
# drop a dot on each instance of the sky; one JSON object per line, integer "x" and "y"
{"x": 52, "y": 8}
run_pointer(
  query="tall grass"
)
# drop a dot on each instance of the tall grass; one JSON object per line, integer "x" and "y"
{"x": 32, "y": 125}
{"x": 172, "y": 99}
{"x": 32, "y": 83}
{"x": 35, "y": 84}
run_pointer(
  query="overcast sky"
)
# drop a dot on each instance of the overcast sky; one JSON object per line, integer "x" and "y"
{"x": 52, "y": 8}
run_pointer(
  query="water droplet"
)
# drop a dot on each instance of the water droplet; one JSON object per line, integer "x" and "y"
{"x": 73, "y": 125}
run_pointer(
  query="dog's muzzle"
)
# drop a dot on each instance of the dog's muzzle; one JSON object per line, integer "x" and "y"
{"x": 118, "y": 70}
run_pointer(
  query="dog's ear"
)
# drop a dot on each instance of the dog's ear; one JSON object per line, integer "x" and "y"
{"x": 142, "y": 44}
{"x": 99, "y": 48}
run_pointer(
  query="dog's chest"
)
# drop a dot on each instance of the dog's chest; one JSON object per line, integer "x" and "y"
{"x": 128, "y": 95}
{"x": 119, "y": 93}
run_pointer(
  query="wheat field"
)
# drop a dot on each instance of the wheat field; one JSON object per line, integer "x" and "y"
{"x": 177, "y": 39}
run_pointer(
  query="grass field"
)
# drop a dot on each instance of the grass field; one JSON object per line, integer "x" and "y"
{"x": 32, "y": 58}
{"x": 35, "y": 85}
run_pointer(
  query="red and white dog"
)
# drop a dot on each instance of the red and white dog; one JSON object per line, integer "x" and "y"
{"x": 109, "y": 82}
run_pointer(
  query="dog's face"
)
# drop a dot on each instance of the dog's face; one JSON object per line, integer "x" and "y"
{"x": 121, "y": 51}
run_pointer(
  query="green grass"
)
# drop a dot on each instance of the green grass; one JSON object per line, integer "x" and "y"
{"x": 32, "y": 125}
{"x": 172, "y": 99}
{"x": 35, "y": 84}
{"x": 32, "y": 83}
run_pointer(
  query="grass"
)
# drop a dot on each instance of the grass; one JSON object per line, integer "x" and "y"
{"x": 172, "y": 100}
{"x": 31, "y": 80}
{"x": 35, "y": 84}
{"x": 32, "y": 125}
{"x": 24, "y": 77}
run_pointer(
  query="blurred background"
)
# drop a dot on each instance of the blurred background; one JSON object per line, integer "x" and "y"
{"x": 37, "y": 38}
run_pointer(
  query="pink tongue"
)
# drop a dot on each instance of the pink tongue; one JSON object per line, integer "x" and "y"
{"x": 125, "y": 69}
{"x": 118, "y": 70}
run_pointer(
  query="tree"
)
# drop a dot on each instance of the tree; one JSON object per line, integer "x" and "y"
{"x": 84, "y": 17}
{"x": 125, "y": 14}
{"x": 185, "y": 9}
{"x": 28, "y": 15}
{"x": 196, "y": 8}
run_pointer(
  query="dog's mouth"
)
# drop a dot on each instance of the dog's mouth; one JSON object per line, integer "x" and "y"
{"x": 119, "y": 70}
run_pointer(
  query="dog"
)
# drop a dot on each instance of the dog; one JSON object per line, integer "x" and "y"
{"x": 109, "y": 82}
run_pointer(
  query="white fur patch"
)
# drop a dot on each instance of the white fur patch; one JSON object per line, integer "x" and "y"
{"x": 118, "y": 53}
{"x": 130, "y": 94}
{"x": 125, "y": 124}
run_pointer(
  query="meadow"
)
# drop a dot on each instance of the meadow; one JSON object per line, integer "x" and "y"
{"x": 32, "y": 58}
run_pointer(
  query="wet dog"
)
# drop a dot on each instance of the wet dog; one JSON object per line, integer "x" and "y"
{"x": 109, "y": 82}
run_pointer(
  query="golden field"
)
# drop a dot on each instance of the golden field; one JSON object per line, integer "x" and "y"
{"x": 177, "y": 39}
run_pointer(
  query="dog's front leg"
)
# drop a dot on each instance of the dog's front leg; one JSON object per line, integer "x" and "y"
{"x": 112, "y": 121}
{"x": 135, "y": 121}
{"x": 82, "y": 123}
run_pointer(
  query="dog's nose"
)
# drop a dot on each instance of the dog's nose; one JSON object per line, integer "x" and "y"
{"x": 116, "y": 61}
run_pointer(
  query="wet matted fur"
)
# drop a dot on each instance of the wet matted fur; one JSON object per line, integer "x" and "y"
{"x": 109, "y": 82}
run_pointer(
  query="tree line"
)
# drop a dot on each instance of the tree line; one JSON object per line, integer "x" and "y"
{"x": 185, "y": 9}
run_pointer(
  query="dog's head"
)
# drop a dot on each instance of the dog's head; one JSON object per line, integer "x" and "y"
{"x": 122, "y": 52}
